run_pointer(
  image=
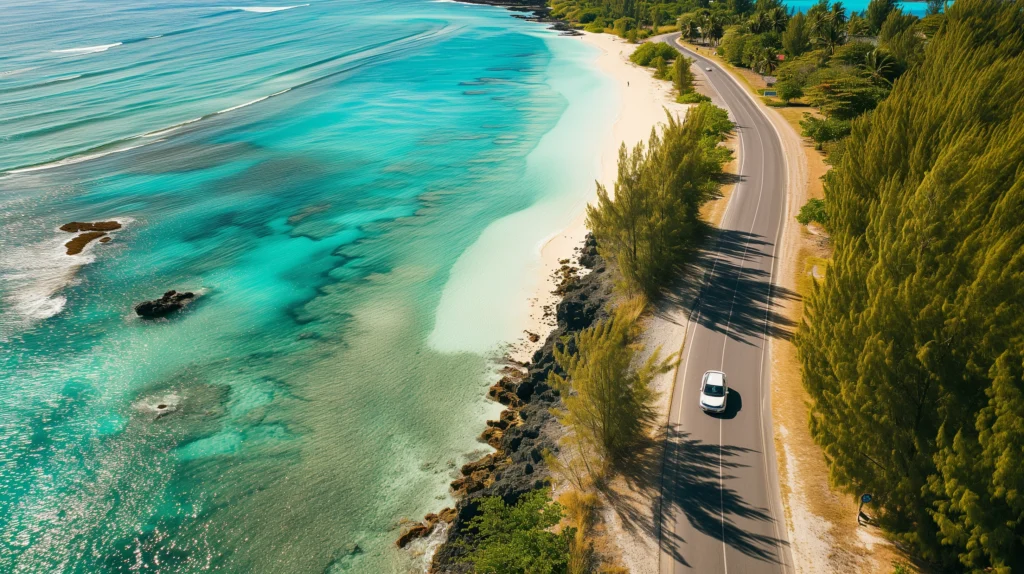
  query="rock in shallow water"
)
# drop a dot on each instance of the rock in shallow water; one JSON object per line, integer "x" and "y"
{"x": 170, "y": 302}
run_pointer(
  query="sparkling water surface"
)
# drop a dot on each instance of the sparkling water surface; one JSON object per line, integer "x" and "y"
{"x": 314, "y": 171}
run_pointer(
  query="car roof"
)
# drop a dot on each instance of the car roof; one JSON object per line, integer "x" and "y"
{"x": 714, "y": 377}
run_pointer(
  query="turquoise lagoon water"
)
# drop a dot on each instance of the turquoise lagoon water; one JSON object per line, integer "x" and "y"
{"x": 325, "y": 175}
{"x": 916, "y": 8}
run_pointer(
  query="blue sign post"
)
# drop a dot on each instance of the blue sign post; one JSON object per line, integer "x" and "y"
{"x": 864, "y": 499}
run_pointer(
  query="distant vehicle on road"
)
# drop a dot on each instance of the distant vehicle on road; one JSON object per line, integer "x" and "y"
{"x": 708, "y": 69}
{"x": 714, "y": 392}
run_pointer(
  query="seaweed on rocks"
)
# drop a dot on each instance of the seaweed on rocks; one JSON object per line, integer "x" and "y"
{"x": 527, "y": 427}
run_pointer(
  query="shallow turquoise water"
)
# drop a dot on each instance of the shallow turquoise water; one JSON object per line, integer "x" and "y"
{"x": 318, "y": 398}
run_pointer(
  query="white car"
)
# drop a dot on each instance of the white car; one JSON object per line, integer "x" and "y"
{"x": 713, "y": 392}
{"x": 708, "y": 69}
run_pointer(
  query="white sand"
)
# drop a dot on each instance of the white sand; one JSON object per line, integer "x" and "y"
{"x": 642, "y": 106}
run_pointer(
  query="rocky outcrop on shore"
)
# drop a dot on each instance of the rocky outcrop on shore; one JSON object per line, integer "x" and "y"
{"x": 170, "y": 302}
{"x": 526, "y": 428}
{"x": 539, "y": 8}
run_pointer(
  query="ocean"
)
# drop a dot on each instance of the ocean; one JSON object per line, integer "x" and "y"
{"x": 918, "y": 9}
{"x": 356, "y": 190}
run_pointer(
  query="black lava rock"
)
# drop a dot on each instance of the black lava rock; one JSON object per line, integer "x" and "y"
{"x": 170, "y": 302}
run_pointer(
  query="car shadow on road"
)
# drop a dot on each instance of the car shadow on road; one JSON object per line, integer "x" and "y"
{"x": 733, "y": 404}
{"x": 683, "y": 477}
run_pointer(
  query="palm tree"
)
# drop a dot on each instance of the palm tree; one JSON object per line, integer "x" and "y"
{"x": 689, "y": 29}
{"x": 829, "y": 30}
{"x": 777, "y": 19}
{"x": 879, "y": 67}
{"x": 766, "y": 60}
{"x": 716, "y": 28}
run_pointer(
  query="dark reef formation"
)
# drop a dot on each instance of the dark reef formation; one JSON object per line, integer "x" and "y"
{"x": 526, "y": 428}
{"x": 170, "y": 302}
{"x": 87, "y": 232}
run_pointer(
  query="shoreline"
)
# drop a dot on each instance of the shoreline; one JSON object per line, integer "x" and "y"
{"x": 641, "y": 106}
{"x": 526, "y": 427}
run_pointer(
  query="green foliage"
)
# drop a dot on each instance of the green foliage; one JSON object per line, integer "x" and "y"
{"x": 900, "y": 38}
{"x": 661, "y": 69}
{"x": 692, "y": 98}
{"x": 797, "y": 38}
{"x": 682, "y": 75}
{"x": 608, "y": 404}
{"x": 516, "y": 540}
{"x": 598, "y": 25}
{"x": 812, "y": 211}
{"x": 651, "y": 226}
{"x": 828, "y": 26}
{"x": 877, "y": 12}
{"x": 647, "y": 52}
{"x": 901, "y": 568}
{"x": 824, "y": 130}
{"x": 856, "y": 26}
{"x": 842, "y": 93}
{"x": 789, "y": 90}
{"x": 913, "y": 349}
{"x": 734, "y": 46}
{"x": 853, "y": 53}
{"x": 623, "y": 25}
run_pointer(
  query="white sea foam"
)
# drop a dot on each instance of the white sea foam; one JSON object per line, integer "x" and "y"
{"x": 256, "y": 101}
{"x": 33, "y": 277}
{"x": 265, "y": 9}
{"x": 13, "y": 72}
{"x": 75, "y": 159}
{"x": 164, "y": 131}
{"x": 87, "y": 49}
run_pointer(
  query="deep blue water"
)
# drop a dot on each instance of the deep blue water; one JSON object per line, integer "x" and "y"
{"x": 314, "y": 172}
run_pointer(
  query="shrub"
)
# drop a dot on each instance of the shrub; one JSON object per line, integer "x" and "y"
{"x": 692, "y": 98}
{"x": 661, "y": 69}
{"x": 826, "y": 130}
{"x": 789, "y": 90}
{"x": 623, "y": 25}
{"x": 597, "y": 26}
{"x": 647, "y": 52}
{"x": 812, "y": 211}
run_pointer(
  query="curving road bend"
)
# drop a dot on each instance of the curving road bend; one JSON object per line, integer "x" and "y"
{"x": 721, "y": 508}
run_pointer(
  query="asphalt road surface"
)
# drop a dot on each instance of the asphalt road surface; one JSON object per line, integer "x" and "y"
{"x": 721, "y": 506}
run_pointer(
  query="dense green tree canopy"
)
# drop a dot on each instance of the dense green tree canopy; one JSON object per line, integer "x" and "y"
{"x": 516, "y": 540}
{"x": 913, "y": 347}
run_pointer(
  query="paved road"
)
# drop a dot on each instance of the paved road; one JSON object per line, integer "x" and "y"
{"x": 722, "y": 510}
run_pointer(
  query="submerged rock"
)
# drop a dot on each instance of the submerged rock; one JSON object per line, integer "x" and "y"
{"x": 170, "y": 302}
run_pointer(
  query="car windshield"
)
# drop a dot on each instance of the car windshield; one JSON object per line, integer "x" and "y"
{"x": 714, "y": 390}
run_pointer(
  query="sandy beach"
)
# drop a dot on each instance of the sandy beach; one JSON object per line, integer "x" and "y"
{"x": 642, "y": 105}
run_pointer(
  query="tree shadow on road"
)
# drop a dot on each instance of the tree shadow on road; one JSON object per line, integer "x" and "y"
{"x": 683, "y": 477}
{"x": 724, "y": 291}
